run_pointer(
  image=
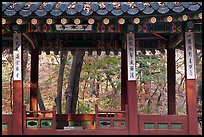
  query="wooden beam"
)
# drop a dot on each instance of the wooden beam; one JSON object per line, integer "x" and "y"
{"x": 175, "y": 40}
{"x": 34, "y": 79}
{"x": 191, "y": 100}
{"x": 29, "y": 39}
{"x": 131, "y": 86}
{"x": 158, "y": 35}
{"x": 17, "y": 86}
{"x": 171, "y": 80}
{"x": 192, "y": 106}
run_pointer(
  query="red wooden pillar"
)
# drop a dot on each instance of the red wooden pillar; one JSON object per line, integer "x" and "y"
{"x": 123, "y": 78}
{"x": 17, "y": 85}
{"x": 191, "y": 83}
{"x": 131, "y": 86}
{"x": 34, "y": 79}
{"x": 171, "y": 79}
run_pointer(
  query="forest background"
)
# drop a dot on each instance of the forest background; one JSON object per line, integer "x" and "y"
{"x": 100, "y": 81}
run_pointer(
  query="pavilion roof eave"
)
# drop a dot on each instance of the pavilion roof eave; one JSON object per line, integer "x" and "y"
{"x": 86, "y": 9}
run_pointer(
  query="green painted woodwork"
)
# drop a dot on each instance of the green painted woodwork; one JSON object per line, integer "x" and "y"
{"x": 104, "y": 123}
{"x": 85, "y": 123}
{"x": 31, "y": 123}
{"x": 61, "y": 123}
{"x": 119, "y": 123}
{"x": 149, "y": 125}
{"x": 176, "y": 125}
{"x": 4, "y": 127}
{"x": 73, "y": 123}
{"x": 46, "y": 123}
{"x": 162, "y": 125}
{"x": 142, "y": 27}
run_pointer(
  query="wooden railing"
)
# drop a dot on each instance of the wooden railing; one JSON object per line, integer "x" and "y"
{"x": 39, "y": 119}
{"x": 163, "y": 124}
{"x": 111, "y": 119}
{"x": 85, "y": 121}
{"x": 7, "y": 124}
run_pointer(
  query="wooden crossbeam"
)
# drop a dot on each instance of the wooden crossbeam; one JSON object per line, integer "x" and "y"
{"x": 175, "y": 40}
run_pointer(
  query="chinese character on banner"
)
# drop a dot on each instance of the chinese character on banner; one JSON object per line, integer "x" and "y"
{"x": 17, "y": 56}
{"x": 190, "y": 55}
{"x": 131, "y": 56}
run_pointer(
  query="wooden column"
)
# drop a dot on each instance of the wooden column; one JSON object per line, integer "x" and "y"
{"x": 17, "y": 85}
{"x": 123, "y": 78}
{"x": 131, "y": 86}
{"x": 171, "y": 79}
{"x": 191, "y": 83}
{"x": 34, "y": 79}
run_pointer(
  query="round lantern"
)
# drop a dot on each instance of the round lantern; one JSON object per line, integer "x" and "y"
{"x": 169, "y": 18}
{"x": 34, "y": 21}
{"x": 136, "y": 20}
{"x": 91, "y": 21}
{"x": 77, "y": 21}
{"x": 19, "y": 21}
{"x": 153, "y": 20}
{"x": 121, "y": 21}
{"x": 49, "y": 21}
{"x": 185, "y": 17}
{"x": 63, "y": 21}
{"x": 3, "y": 21}
{"x": 106, "y": 21}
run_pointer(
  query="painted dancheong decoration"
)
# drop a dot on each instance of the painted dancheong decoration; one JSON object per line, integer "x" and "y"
{"x": 17, "y": 56}
{"x": 125, "y": 27}
{"x": 190, "y": 55}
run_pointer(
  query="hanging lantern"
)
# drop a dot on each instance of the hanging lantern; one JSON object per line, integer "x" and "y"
{"x": 153, "y": 20}
{"x": 185, "y": 17}
{"x": 106, "y": 21}
{"x": 169, "y": 18}
{"x": 121, "y": 21}
{"x": 91, "y": 21}
{"x": 63, "y": 21}
{"x": 19, "y": 21}
{"x": 49, "y": 21}
{"x": 3, "y": 21}
{"x": 136, "y": 20}
{"x": 34, "y": 21}
{"x": 77, "y": 21}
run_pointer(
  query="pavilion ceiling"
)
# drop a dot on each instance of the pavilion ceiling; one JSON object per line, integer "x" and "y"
{"x": 100, "y": 41}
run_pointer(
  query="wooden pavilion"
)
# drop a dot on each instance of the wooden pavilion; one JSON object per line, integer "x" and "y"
{"x": 102, "y": 26}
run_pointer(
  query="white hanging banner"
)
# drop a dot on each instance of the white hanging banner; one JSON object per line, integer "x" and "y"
{"x": 190, "y": 55}
{"x": 17, "y": 72}
{"x": 131, "y": 56}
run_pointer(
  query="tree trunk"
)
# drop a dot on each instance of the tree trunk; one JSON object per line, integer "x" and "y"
{"x": 72, "y": 90}
{"x": 63, "y": 58}
{"x": 111, "y": 82}
{"x": 40, "y": 101}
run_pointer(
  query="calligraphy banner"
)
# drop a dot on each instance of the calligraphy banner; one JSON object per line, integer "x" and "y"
{"x": 131, "y": 56}
{"x": 190, "y": 55}
{"x": 17, "y": 56}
